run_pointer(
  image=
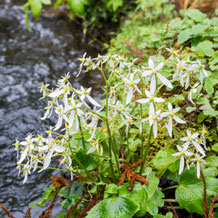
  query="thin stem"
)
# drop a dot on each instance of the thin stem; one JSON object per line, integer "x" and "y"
{"x": 53, "y": 168}
{"x": 170, "y": 187}
{"x": 80, "y": 164}
{"x": 170, "y": 200}
{"x": 81, "y": 132}
{"x": 141, "y": 133}
{"x": 115, "y": 154}
{"x": 146, "y": 150}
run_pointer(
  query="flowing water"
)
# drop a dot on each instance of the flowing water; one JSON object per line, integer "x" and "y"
{"x": 50, "y": 51}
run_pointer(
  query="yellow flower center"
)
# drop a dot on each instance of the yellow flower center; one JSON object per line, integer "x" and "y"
{"x": 124, "y": 81}
{"x": 50, "y": 145}
{"x": 48, "y": 131}
{"x": 189, "y": 138}
{"x": 199, "y": 159}
{"x": 81, "y": 59}
{"x": 70, "y": 169}
{"x": 182, "y": 152}
{"x": 171, "y": 113}
{"x": 151, "y": 98}
{"x": 29, "y": 143}
{"x": 199, "y": 142}
{"x": 85, "y": 92}
{"x": 66, "y": 154}
{"x": 74, "y": 107}
{"x": 66, "y": 125}
{"x": 181, "y": 67}
{"x": 154, "y": 71}
{"x": 52, "y": 141}
{"x": 131, "y": 84}
{"x": 129, "y": 121}
{"x": 121, "y": 57}
{"x": 205, "y": 131}
{"x": 34, "y": 157}
{"x": 65, "y": 89}
{"x": 129, "y": 63}
{"x": 47, "y": 108}
{"x": 84, "y": 125}
{"x": 25, "y": 168}
{"x": 69, "y": 99}
{"x": 154, "y": 117}
{"x": 16, "y": 144}
{"x": 51, "y": 102}
{"x": 58, "y": 109}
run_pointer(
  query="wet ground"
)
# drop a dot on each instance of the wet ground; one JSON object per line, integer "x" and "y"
{"x": 50, "y": 51}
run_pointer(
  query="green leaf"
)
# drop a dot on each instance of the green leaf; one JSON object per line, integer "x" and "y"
{"x": 189, "y": 194}
{"x": 205, "y": 48}
{"x": 213, "y": 161}
{"x": 184, "y": 35}
{"x": 163, "y": 159}
{"x": 46, "y": 2}
{"x": 76, "y": 6}
{"x": 26, "y": 9}
{"x": 62, "y": 215}
{"x": 88, "y": 161}
{"x": 58, "y": 3}
{"x": 201, "y": 117}
{"x": 202, "y": 101}
{"x": 209, "y": 85}
{"x": 168, "y": 215}
{"x": 190, "y": 198}
{"x": 199, "y": 29}
{"x": 110, "y": 189}
{"x": 138, "y": 195}
{"x": 36, "y": 7}
{"x": 190, "y": 109}
{"x": 210, "y": 112}
{"x": 113, "y": 207}
{"x": 215, "y": 147}
{"x": 196, "y": 15}
{"x": 155, "y": 202}
{"x": 72, "y": 194}
{"x": 48, "y": 195}
{"x": 153, "y": 184}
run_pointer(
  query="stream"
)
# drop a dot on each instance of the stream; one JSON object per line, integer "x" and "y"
{"x": 26, "y": 59}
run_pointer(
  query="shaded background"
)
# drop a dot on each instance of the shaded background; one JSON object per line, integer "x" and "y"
{"x": 50, "y": 51}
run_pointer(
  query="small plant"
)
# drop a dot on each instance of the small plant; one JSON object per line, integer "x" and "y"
{"x": 109, "y": 146}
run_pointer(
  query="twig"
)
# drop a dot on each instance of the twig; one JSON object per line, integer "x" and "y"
{"x": 211, "y": 212}
{"x": 47, "y": 213}
{"x": 28, "y": 213}
{"x": 205, "y": 202}
{"x": 73, "y": 208}
{"x": 174, "y": 211}
{"x": 7, "y": 212}
{"x": 91, "y": 204}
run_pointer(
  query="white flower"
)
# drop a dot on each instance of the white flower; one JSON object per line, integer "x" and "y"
{"x": 83, "y": 59}
{"x": 198, "y": 159}
{"x": 151, "y": 99}
{"x": 182, "y": 152}
{"x": 174, "y": 53}
{"x": 94, "y": 146}
{"x": 153, "y": 118}
{"x": 191, "y": 139}
{"x": 172, "y": 116}
{"x": 181, "y": 66}
{"x": 85, "y": 93}
{"x": 204, "y": 131}
{"x": 193, "y": 90}
{"x": 131, "y": 83}
{"x": 202, "y": 71}
{"x": 26, "y": 171}
{"x": 128, "y": 123}
{"x": 154, "y": 72}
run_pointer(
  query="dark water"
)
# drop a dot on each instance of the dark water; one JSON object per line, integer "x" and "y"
{"x": 26, "y": 59}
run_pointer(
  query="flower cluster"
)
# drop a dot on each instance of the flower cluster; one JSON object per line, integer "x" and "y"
{"x": 128, "y": 89}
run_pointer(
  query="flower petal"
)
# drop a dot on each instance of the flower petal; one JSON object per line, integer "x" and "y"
{"x": 165, "y": 81}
